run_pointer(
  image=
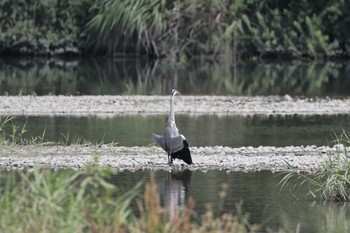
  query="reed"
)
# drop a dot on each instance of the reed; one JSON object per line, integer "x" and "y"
{"x": 87, "y": 201}
{"x": 332, "y": 181}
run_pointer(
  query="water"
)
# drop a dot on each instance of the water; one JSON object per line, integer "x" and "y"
{"x": 259, "y": 192}
{"x": 128, "y": 76}
{"x": 233, "y": 131}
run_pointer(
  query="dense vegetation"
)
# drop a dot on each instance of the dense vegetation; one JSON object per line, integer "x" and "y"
{"x": 88, "y": 201}
{"x": 177, "y": 29}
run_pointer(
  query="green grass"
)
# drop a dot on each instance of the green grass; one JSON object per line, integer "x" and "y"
{"x": 332, "y": 181}
{"x": 12, "y": 133}
{"x": 87, "y": 201}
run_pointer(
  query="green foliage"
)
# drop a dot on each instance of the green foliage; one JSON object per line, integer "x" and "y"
{"x": 333, "y": 180}
{"x": 124, "y": 25}
{"x": 41, "y": 27}
{"x": 297, "y": 29}
{"x": 88, "y": 201}
{"x": 65, "y": 201}
{"x": 177, "y": 29}
{"x": 10, "y": 132}
{"x": 229, "y": 29}
{"x": 13, "y": 133}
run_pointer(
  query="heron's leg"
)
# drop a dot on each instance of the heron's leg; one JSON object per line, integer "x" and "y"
{"x": 170, "y": 159}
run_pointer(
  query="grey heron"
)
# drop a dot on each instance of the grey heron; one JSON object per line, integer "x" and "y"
{"x": 171, "y": 141}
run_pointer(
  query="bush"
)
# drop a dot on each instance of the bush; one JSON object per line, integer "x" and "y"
{"x": 332, "y": 182}
{"x": 39, "y": 27}
{"x": 177, "y": 29}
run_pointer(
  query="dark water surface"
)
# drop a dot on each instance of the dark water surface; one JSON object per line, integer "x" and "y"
{"x": 233, "y": 131}
{"x": 259, "y": 192}
{"x": 129, "y": 76}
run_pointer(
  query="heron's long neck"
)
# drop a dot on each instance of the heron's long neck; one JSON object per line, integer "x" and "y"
{"x": 171, "y": 113}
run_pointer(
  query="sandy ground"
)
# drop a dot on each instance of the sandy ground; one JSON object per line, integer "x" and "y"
{"x": 137, "y": 158}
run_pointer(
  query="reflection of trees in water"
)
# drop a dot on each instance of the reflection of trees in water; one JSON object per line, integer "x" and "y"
{"x": 174, "y": 189}
{"x": 37, "y": 76}
{"x": 130, "y": 76}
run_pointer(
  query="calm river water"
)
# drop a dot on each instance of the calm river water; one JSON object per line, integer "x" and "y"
{"x": 259, "y": 192}
{"x": 130, "y": 76}
{"x": 233, "y": 131}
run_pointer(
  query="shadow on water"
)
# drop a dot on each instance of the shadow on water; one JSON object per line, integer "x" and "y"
{"x": 127, "y": 76}
{"x": 233, "y": 131}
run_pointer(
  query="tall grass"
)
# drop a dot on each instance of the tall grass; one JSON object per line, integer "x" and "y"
{"x": 10, "y": 132}
{"x": 120, "y": 25}
{"x": 49, "y": 201}
{"x": 87, "y": 201}
{"x": 332, "y": 182}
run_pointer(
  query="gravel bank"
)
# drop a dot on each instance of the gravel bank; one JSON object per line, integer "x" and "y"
{"x": 135, "y": 158}
{"x": 247, "y": 159}
{"x": 113, "y": 105}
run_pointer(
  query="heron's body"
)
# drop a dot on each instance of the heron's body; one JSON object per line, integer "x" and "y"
{"x": 171, "y": 141}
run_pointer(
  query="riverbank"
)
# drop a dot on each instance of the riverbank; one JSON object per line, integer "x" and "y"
{"x": 219, "y": 105}
{"x": 247, "y": 159}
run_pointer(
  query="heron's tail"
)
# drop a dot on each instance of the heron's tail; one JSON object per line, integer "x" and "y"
{"x": 183, "y": 154}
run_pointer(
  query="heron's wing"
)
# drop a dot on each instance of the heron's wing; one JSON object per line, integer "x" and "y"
{"x": 175, "y": 143}
{"x": 183, "y": 153}
{"x": 160, "y": 140}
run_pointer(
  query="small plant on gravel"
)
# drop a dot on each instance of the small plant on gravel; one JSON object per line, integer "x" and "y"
{"x": 332, "y": 181}
{"x": 10, "y": 132}
{"x": 13, "y": 133}
{"x": 17, "y": 134}
{"x": 64, "y": 140}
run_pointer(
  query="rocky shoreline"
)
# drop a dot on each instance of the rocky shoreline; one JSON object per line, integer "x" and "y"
{"x": 117, "y": 105}
{"x": 247, "y": 159}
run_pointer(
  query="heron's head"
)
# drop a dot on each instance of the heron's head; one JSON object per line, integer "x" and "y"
{"x": 174, "y": 92}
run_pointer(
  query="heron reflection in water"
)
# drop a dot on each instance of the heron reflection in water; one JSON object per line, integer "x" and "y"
{"x": 174, "y": 190}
